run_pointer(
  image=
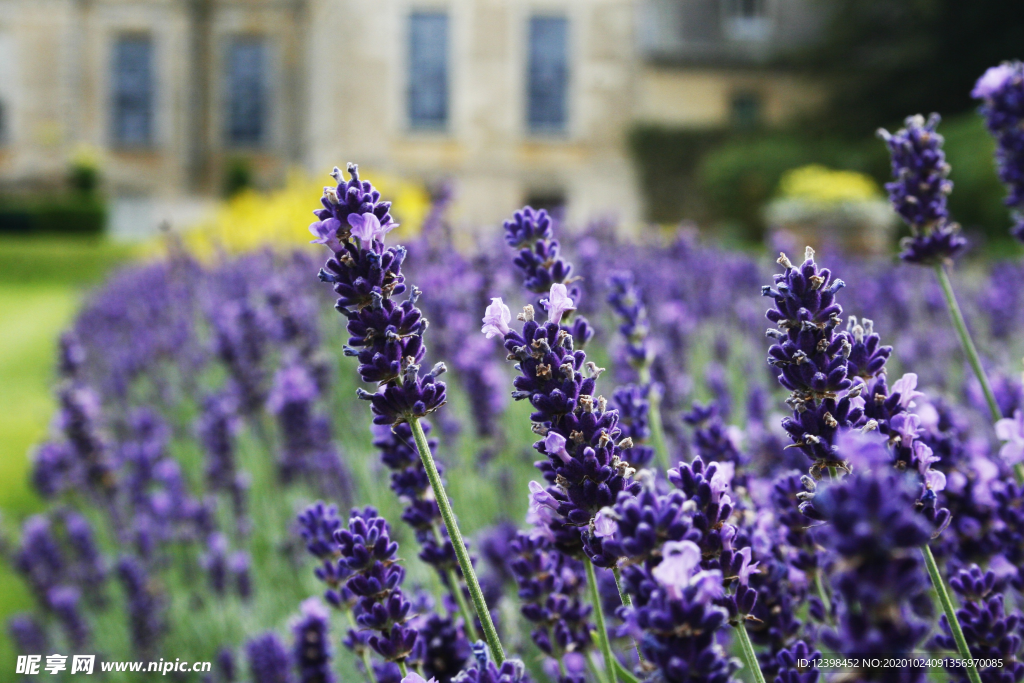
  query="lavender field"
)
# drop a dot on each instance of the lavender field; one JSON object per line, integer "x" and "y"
{"x": 562, "y": 456}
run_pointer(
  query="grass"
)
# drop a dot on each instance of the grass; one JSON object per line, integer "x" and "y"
{"x": 41, "y": 285}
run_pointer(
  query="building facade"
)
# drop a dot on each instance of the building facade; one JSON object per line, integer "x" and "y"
{"x": 516, "y": 100}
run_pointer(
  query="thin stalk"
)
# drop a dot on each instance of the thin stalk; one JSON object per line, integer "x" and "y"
{"x": 823, "y": 594}
{"x": 402, "y": 668}
{"x": 365, "y": 654}
{"x": 624, "y": 673}
{"x": 461, "y": 554}
{"x": 627, "y": 602}
{"x": 965, "y": 340}
{"x": 467, "y": 616}
{"x": 594, "y": 671}
{"x": 654, "y": 418}
{"x": 947, "y": 606}
{"x": 749, "y": 656}
{"x": 971, "y": 351}
{"x": 602, "y": 631}
{"x": 833, "y": 473}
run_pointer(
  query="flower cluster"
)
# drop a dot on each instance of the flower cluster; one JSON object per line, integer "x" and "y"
{"x": 811, "y": 356}
{"x": 550, "y": 588}
{"x": 384, "y": 335}
{"x": 584, "y": 467}
{"x": 1001, "y": 91}
{"x": 919, "y": 189}
{"x": 879, "y": 583}
{"x": 531, "y": 233}
{"x": 992, "y": 634}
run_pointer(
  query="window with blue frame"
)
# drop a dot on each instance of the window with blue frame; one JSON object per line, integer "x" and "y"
{"x": 132, "y": 85}
{"x": 247, "y": 109}
{"x": 548, "y": 74}
{"x": 428, "y": 70}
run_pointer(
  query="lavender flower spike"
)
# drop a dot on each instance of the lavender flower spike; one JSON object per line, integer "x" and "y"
{"x": 387, "y": 338}
{"x": 919, "y": 189}
{"x": 1001, "y": 90}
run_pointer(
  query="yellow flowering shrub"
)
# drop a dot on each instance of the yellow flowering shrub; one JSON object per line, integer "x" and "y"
{"x": 253, "y": 219}
{"x": 818, "y": 184}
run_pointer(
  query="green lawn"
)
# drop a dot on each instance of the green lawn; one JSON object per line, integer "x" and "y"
{"x": 41, "y": 284}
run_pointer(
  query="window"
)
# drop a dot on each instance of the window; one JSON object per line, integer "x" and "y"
{"x": 551, "y": 200}
{"x": 748, "y": 20}
{"x": 133, "y": 91}
{"x": 246, "y": 111}
{"x": 428, "y": 70}
{"x": 747, "y": 9}
{"x": 548, "y": 74}
{"x": 746, "y": 110}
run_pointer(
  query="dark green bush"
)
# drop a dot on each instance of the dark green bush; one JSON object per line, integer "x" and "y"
{"x": 733, "y": 176}
{"x": 73, "y": 213}
{"x": 666, "y": 160}
{"x": 238, "y": 176}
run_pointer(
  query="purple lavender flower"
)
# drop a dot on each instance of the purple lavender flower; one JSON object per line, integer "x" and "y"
{"x": 880, "y": 583}
{"x": 992, "y": 634}
{"x": 678, "y": 619}
{"x": 633, "y": 405}
{"x": 1001, "y": 90}
{"x": 530, "y": 232}
{"x": 146, "y": 606}
{"x": 367, "y": 551}
{"x": 291, "y": 400}
{"x": 317, "y": 525}
{"x": 312, "y": 653}
{"x": 445, "y": 649}
{"x": 28, "y": 635}
{"x": 242, "y": 340}
{"x": 239, "y": 565}
{"x": 386, "y": 336}
{"x": 268, "y": 660}
{"x": 586, "y": 472}
{"x": 511, "y": 671}
{"x": 89, "y": 570}
{"x": 40, "y": 559}
{"x": 65, "y": 603}
{"x": 812, "y": 357}
{"x": 791, "y": 664}
{"x": 919, "y": 189}
{"x": 550, "y": 590}
{"x": 713, "y": 440}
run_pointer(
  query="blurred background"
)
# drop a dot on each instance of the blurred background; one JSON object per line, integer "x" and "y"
{"x": 122, "y": 115}
{"x": 219, "y": 120}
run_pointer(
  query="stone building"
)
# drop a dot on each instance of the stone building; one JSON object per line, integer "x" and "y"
{"x": 518, "y": 100}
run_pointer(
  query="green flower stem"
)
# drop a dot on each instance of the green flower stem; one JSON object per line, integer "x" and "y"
{"x": 602, "y": 631}
{"x": 477, "y": 595}
{"x": 594, "y": 671}
{"x": 467, "y": 616}
{"x": 747, "y": 650}
{"x": 367, "y": 662}
{"x": 627, "y": 602}
{"x": 624, "y": 673}
{"x": 950, "y": 610}
{"x": 972, "y": 353}
{"x": 654, "y": 417}
{"x": 402, "y": 668}
{"x": 965, "y": 340}
{"x": 823, "y": 594}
